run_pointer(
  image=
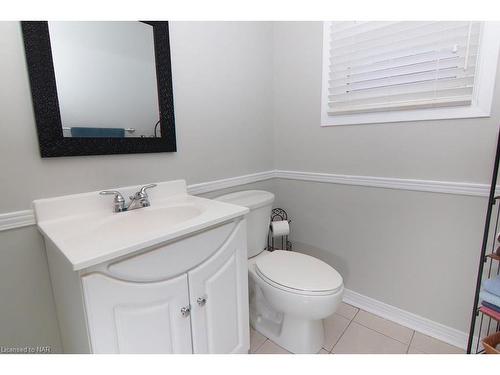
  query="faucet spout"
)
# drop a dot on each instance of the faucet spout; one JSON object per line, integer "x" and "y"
{"x": 138, "y": 200}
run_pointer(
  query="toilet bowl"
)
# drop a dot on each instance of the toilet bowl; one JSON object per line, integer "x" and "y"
{"x": 290, "y": 293}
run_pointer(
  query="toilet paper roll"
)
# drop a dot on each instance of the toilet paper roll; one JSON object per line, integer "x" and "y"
{"x": 280, "y": 228}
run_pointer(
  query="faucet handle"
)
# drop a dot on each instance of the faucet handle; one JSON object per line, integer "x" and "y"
{"x": 119, "y": 201}
{"x": 118, "y": 196}
{"x": 146, "y": 187}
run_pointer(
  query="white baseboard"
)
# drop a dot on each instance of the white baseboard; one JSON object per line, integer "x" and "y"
{"x": 418, "y": 323}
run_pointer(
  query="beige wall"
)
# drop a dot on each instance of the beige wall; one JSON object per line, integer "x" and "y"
{"x": 417, "y": 251}
{"x": 27, "y": 310}
{"x": 451, "y": 150}
{"x": 223, "y": 108}
{"x": 413, "y": 250}
{"x": 234, "y": 83}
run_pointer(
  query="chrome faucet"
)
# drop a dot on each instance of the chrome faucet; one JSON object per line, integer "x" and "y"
{"x": 138, "y": 200}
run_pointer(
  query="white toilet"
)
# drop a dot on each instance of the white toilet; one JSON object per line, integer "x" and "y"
{"x": 290, "y": 293}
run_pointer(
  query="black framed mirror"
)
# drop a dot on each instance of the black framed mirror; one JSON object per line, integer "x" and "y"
{"x": 100, "y": 87}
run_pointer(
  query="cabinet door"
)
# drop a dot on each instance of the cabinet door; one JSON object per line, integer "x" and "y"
{"x": 218, "y": 291}
{"x": 128, "y": 317}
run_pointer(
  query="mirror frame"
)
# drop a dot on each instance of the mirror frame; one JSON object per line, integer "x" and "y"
{"x": 46, "y": 104}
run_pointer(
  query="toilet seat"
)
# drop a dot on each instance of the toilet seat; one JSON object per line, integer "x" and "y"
{"x": 298, "y": 273}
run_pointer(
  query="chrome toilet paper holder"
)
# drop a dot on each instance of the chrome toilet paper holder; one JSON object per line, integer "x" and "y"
{"x": 278, "y": 214}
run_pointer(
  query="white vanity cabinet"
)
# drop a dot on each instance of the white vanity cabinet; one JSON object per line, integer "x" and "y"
{"x": 187, "y": 296}
{"x": 171, "y": 277}
{"x": 127, "y": 317}
{"x": 218, "y": 291}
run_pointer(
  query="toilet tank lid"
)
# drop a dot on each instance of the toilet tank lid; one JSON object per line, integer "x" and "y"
{"x": 248, "y": 198}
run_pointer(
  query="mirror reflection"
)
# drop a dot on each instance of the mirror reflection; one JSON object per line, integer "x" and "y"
{"x": 106, "y": 78}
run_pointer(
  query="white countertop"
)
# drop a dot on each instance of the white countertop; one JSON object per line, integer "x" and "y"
{"x": 87, "y": 231}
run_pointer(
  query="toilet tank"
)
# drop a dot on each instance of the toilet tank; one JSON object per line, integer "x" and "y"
{"x": 260, "y": 203}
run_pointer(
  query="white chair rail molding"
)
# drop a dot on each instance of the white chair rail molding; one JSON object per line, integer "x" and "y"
{"x": 19, "y": 219}
{"x": 206, "y": 187}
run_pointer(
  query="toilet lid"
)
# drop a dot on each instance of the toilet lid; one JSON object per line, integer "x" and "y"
{"x": 299, "y": 271}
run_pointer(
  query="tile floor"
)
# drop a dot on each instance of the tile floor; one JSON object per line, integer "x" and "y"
{"x": 354, "y": 331}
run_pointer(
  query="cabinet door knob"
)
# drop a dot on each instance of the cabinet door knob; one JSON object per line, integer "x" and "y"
{"x": 185, "y": 311}
{"x": 202, "y": 301}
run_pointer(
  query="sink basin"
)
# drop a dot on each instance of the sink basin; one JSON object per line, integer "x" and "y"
{"x": 129, "y": 225}
{"x": 87, "y": 231}
{"x": 150, "y": 219}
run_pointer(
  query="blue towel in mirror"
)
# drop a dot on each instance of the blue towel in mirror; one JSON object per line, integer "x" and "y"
{"x": 80, "y": 132}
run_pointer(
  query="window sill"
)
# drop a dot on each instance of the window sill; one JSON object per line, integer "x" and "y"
{"x": 447, "y": 113}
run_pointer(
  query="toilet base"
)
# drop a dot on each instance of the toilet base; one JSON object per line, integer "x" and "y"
{"x": 293, "y": 321}
{"x": 297, "y": 335}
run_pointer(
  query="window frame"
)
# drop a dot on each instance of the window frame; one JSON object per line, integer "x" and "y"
{"x": 484, "y": 84}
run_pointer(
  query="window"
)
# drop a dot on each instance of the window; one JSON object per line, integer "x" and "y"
{"x": 403, "y": 71}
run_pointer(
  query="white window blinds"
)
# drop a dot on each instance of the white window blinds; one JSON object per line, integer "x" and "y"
{"x": 386, "y": 66}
